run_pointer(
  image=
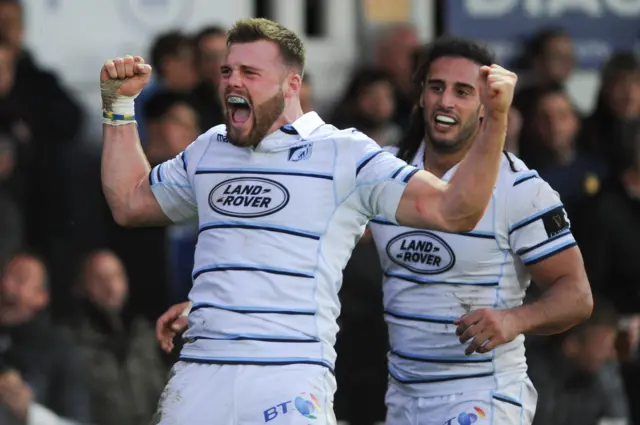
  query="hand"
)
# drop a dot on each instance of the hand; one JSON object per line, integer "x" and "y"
{"x": 488, "y": 328}
{"x": 124, "y": 76}
{"x": 15, "y": 394}
{"x": 170, "y": 324}
{"x": 496, "y": 89}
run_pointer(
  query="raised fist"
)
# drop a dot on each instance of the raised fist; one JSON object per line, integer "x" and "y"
{"x": 497, "y": 87}
{"x": 124, "y": 76}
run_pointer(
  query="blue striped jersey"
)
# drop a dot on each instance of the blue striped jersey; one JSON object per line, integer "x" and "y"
{"x": 277, "y": 225}
{"x": 433, "y": 278}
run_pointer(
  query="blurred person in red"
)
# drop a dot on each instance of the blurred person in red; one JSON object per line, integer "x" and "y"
{"x": 126, "y": 372}
{"x": 393, "y": 52}
{"x": 369, "y": 105}
{"x": 577, "y": 380}
{"x": 618, "y": 107}
{"x": 42, "y": 382}
{"x": 173, "y": 57}
{"x": 211, "y": 46}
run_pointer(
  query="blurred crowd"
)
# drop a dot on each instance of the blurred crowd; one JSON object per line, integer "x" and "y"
{"x": 79, "y": 294}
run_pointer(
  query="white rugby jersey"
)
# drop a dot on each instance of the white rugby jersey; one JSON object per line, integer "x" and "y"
{"x": 277, "y": 226}
{"x": 433, "y": 278}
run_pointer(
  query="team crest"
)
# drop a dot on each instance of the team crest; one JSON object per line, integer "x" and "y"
{"x": 300, "y": 153}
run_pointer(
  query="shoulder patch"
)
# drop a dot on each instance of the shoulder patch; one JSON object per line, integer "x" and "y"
{"x": 555, "y": 221}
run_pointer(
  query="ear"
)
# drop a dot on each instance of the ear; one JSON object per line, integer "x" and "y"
{"x": 422, "y": 99}
{"x": 481, "y": 111}
{"x": 293, "y": 84}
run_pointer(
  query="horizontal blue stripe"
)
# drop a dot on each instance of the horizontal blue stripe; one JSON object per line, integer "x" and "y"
{"x": 411, "y": 174}
{"x": 441, "y": 359}
{"x": 184, "y": 161}
{"x": 258, "y": 226}
{"x": 533, "y": 218}
{"x": 160, "y": 174}
{"x": 446, "y": 320}
{"x": 247, "y": 267}
{"x": 549, "y": 253}
{"x": 263, "y": 171}
{"x": 398, "y": 171}
{"x": 275, "y": 361}
{"x": 506, "y": 399}
{"x": 478, "y": 234}
{"x": 363, "y": 162}
{"x": 253, "y": 309}
{"x": 413, "y": 279}
{"x": 524, "y": 177}
{"x": 543, "y": 243}
{"x": 382, "y": 221}
{"x": 254, "y": 337}
{"x": 439, "y": 378}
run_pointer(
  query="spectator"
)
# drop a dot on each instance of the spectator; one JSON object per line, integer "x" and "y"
{"x": 618, "y": 106}
{"x": 47, "y": 121}
{"x": 549, "y": 145}
{"x": 368, "y": 104}
{"x": 173, "y": 60}
{"x": 577, "y": 381}
{"x": 126, "y": 371}
{"x": 171, "y": 123}
{"x": 159, "y": 260}
{"x": 43, "y": 381}
{"x": 394, "y": 53}
{"x": 211, "y": 46}
{"x": 548, "y": 60}
{"x": 610, "y": 254}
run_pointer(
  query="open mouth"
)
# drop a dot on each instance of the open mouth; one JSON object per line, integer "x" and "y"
{"x": 445, "y": 121}
{"x": 239, "y": 109}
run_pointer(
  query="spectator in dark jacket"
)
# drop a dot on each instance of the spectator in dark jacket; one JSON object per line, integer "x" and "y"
{"x": 43, "y": 379}
{"x": 577, "y": 380}
{"x": 126, "y": 370}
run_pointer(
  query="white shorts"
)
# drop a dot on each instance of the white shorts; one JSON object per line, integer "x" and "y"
{"x": 211, "y": 394}
{"x": 512, "y": 405}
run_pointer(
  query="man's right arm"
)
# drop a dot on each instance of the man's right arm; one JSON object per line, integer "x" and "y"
{"x": 125, "y": 178}
{"x": 135, "y": 197}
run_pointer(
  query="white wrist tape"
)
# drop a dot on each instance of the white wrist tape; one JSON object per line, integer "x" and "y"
{"x": 116, "y": 109}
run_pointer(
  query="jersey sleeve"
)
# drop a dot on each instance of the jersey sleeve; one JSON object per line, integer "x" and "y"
{"x": 172, "y": 188}
{"x": 381, "y": 178}
{"x": 538, "y": 223}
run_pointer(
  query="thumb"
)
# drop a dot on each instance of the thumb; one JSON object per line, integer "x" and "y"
{"x": 179, "y": 324}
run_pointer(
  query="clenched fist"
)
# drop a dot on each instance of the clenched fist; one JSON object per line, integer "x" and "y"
{"x": 496, "y": 89}
{"x": 123, "y": 78}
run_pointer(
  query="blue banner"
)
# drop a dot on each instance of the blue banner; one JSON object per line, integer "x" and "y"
{"x": 598, "y": 27}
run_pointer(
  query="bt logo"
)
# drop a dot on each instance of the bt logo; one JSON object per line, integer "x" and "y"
{"x": 466, "y": 418}
{"x": 305, "y": 404}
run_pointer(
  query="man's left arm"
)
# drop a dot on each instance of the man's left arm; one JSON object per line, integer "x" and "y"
{"x": 539, "y": 233}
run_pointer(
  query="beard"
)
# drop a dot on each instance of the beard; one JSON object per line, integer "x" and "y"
{"x": 465, "y": 135}
{"x": 262, "y": 118}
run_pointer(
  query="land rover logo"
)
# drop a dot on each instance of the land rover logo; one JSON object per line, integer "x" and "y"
{"x": 248, "y": 197}
{"x": 421, "y": 252}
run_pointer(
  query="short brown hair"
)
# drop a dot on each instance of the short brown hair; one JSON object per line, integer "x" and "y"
{"x": 255, "y": 29}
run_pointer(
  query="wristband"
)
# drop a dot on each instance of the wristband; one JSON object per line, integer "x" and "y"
{"x": 117, "y": 109}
